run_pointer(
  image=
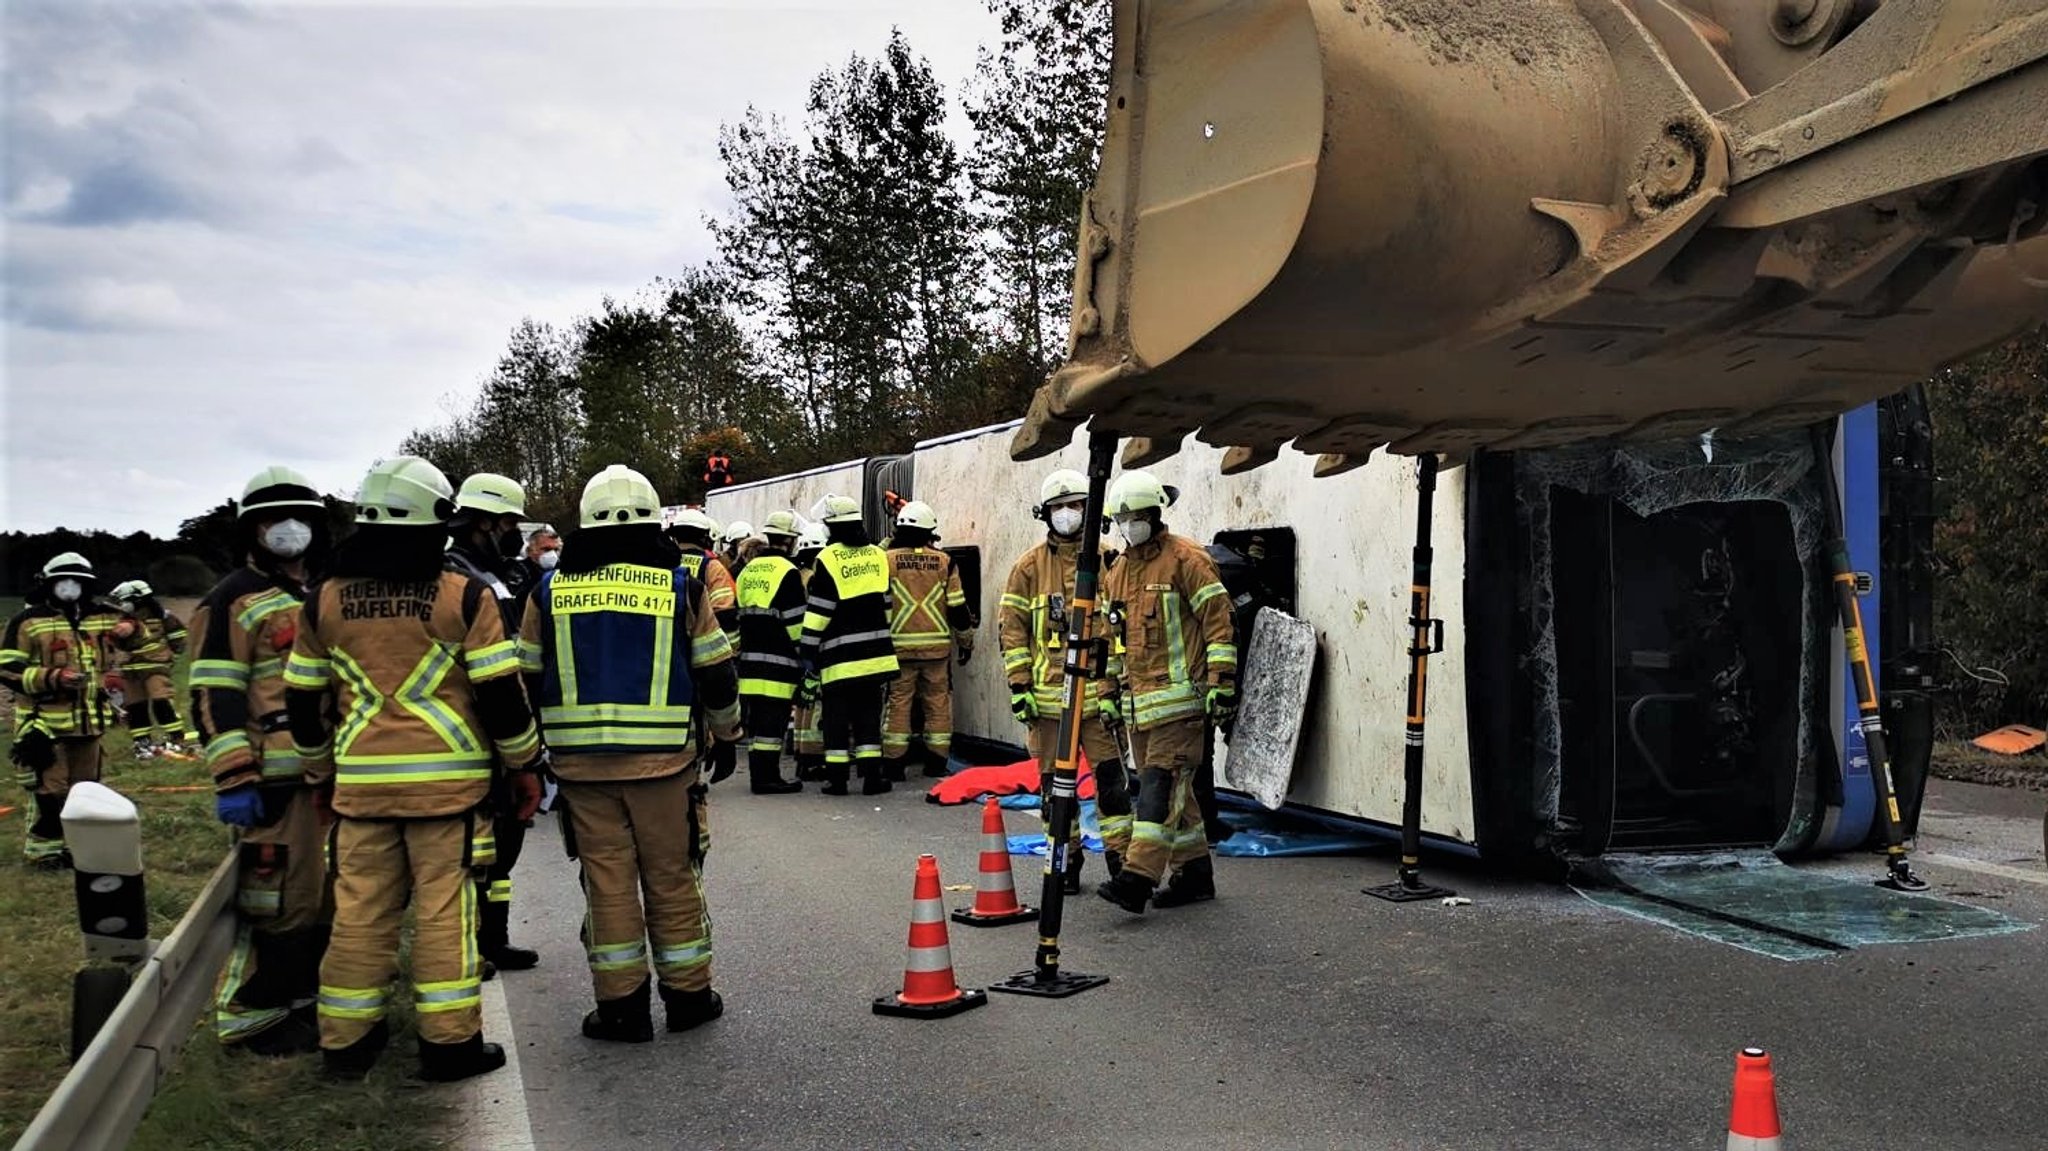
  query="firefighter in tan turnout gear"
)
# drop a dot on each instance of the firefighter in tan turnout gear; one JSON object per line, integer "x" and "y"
{"x": 1178, "y": 673}
{"x": 622, "y": 653}
{"x": 698, "y": 536}
{"x": 805, "y": 723}
{"x": 246, "y": 627}
{"x": 58, "y": 658}
{"x": 426, "y": 683}
{"x": 930, "y": 620}
{"x": 150, "y": 698}
{"x": 1032, "y": 623}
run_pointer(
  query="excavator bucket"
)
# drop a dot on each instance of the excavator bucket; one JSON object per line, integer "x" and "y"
{"x": 1445, "y": 225}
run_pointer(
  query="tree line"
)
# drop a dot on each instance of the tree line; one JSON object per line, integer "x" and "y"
{"x": 874, "y": 283}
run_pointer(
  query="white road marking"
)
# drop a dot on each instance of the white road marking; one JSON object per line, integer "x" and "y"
{"x": 493, "y": 1115}
{"x": 1982, "y": 867}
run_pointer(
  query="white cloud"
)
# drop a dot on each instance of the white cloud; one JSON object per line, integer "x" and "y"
{"x": 239, "y": 236}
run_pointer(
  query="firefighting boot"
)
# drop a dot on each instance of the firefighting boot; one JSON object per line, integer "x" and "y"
{"x": 688, "y": 1009}
{"x": 298, "y": 1033}
{"x": 355, "y": 1060}
{"x": 937, "y": 765}
{"x": 448, "y": 1062}
{"x": 1128, "y": 890}
{"x": 896, "y": 769}
{"x": 1112, "y": 860}
{"x": 873, "y": 779}
{"x": 810, "y": 768}
{"x": 494, "y": 928}
{"x": 625, "y": 1020}
{"x": 1077, "y": 857}
{"x": 1191, "y": 884}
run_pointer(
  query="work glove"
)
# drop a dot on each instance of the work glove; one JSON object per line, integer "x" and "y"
{"x": 1221, "y": 704}
{"x": 1110, "y": 710}
{"x": 239, "y": 806}
{"x": 808, "y": 688}
{"x": 1023, "y": 704}
{"x": 111, "y": 682}
{"x": 527, "y": 790}
{"x": 70, "y": 678}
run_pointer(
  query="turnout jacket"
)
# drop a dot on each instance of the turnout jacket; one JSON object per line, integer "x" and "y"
{"x": 427, "y": 684}
{"x": 619, "y": 662}
{"x": 161, "y": 639}
{"x": 246, "y": 626}
{"x": 771, "y": 608}
{"x": 45, "y": 639}
{"x": 1031, "y": 620}
{"x": 931, "y": 612}
{"x": 709, "y": 569}
{"x": 1177, "y": 633}
{"x": 846, "y": 621}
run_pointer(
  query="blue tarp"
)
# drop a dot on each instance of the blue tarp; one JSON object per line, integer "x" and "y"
{"x": 1257, "y": 833}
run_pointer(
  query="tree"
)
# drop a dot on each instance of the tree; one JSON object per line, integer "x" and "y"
{"x": 1037, "y": 105}
{"x": 1990, "y": 419}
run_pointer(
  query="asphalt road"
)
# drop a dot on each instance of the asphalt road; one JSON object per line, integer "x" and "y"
{"x": 1291, "y": 1012}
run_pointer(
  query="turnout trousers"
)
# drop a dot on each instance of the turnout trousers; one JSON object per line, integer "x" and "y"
{"x": 852, "y": 721}
{"x": 378, "y": 866}
{"x": 925, "y": 684}
{"x": 1166, "y": 828}
{"x": 77, "y": 761}
{"x": 1105, "y": 756}
{"x": 641, "y": 844}
{"x": 767, "y": 720}
{"x": 283, "y": 912}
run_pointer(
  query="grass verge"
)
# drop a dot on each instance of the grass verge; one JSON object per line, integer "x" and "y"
{"x": 214, "y": 1098}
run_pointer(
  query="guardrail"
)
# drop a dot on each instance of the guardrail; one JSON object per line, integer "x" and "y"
{"x": 101, "y": 1101}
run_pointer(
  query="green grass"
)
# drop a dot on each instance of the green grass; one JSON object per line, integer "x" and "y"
{"x": 214, "y": 1099}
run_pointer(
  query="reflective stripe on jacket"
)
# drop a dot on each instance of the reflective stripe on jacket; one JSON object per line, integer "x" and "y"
{"x": 846, "y": 624}
{"x": 613, "y": 656}
{"x": 771, "y": 606}
{"x": 930, "y": 612}
{"x": 1177, "y": 632}
{"x": 247, "y": 625}
{"x": 1032, "y": 621}
{"x": 402, "y": 658}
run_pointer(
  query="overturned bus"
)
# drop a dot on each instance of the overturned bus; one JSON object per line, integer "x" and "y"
{"x": 1641, "y": 656}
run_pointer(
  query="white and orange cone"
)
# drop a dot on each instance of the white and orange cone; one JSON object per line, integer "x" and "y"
{"x": 995, "y": 889}
{"x": 929, "y": 990}
{"x": 1753, "y": 1118}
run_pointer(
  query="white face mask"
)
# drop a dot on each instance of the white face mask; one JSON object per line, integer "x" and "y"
{"x": 1134, "y": 531}
{"x": 1066, "y": 521}
{"x": 548, "y": 559}
{"x": 288, "y": 539}
{"x": 67, "y": 590}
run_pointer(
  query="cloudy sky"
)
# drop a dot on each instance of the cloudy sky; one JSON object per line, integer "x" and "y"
{"x": 288, "y": 232}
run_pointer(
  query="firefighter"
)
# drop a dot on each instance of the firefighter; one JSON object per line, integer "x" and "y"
{"x": 697, "y": 534}
{"x": 426, "y": 684}
{"x": 771, "y": 605}
{"x": 263, "y": 789}
{"x": 1178, "y": 674}
{"x": 805, "y": 732}
{"x": 486, "y": 547}
{"x": 729, "y": 541}
{"x": 146, "y": 688}
{"x": 58, "y": 659}
{"x": 930, "y": 621}
{"x": 1032, "y": 624}
{"x": 622, "y": 654}
{"x": 848, "y": 658}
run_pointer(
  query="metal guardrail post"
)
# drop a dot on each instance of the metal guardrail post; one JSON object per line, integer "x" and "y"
{"x": 99, "y": 1104}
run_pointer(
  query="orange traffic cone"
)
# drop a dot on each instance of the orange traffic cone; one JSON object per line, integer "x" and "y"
{"x": 1753, "y": 1120}
{"x": 929, "y": 991}
{"x": 995, "y": 892}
